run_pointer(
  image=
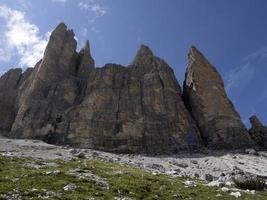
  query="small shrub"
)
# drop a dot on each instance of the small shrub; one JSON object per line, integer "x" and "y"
{"x": 250, "y": 184}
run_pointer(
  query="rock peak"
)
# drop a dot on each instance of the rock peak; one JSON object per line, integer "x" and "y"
{"x": 143, "y": 53}
{"x": 61, "y": 26}
{"x": 61, "y": 31}
{"x": 135, "y": 109}
{"x": 10, "y": 79}
{"x": 206, "y": 99}
{"x": 195, "y": 54}
{"x": 86, "y": 48}
{"x": 144, "y": 50}
{"x": 87, "y": 45}
{"x": 193, "y": 48}
{"x": 85, "y": 60}
{"x": 254, "y": 120}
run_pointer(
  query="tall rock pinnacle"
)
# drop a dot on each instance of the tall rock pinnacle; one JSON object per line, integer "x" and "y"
{"x": 64, "y": 99}
{"x": 60, "y": 53}
{"x": 85, "y": 61}
{"x": 132, "y": 109}
{"x": 143, "y": 52}
{"x": 144, "y": 59}
{"x": 52, "y": 87}
{"x": 206, "y": 99}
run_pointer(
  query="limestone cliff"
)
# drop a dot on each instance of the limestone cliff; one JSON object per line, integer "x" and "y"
{"x": 207, "y": 101}
{"x": 131, "y": 109}
{"x": 138, "y": 108}
{"x": 66, "y": 100}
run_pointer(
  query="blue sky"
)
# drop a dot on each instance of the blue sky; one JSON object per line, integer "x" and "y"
{"x": 232, "y": 35}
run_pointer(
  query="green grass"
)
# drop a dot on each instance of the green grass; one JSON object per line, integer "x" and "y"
{"x": 123, "y": 181}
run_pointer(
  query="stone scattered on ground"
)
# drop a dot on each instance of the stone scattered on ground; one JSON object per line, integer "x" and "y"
{"x": 70, "y": 187}
{"x": 88, "y": 175}
{"x": 251, "y": 151}
{"x": 217, "y": 168}
{"x": 236, "y": 194}
{"x": 189, "y": 183}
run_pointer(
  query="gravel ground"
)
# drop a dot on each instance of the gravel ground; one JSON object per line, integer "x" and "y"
{"x": 213, "y": 166}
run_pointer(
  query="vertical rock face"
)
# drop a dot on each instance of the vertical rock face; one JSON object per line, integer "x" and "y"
{"x": 85, "y": 62}
{"x": 132, "y": 109}
{"x": 137, "y": 108}
{"x": 8, "y": 85}
{"x": 64, "y": 99}
{"x": 52, "y": 87}
{"x": 206, "y": 99}
{"x": 258, "y": 132}
{"x": 10, "y": 80}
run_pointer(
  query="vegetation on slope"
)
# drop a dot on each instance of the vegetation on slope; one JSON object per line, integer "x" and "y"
{"x": 37, "y": 179}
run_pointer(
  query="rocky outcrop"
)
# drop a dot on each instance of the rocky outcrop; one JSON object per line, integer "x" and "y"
{"x": 258, "y": 132}
{"x": 140, "y": 108}
{"x": 85, "y": 63}
{"x": 10, "y": 80}
{"x": 9, "y": 84}
{"x": 66, "y": 100}
{"x": 131, "y": 109}
{"x": 207, "y": 101}
{"x": 52, "y": 87}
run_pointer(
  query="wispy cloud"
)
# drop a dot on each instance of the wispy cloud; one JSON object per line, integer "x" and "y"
{"x": 246, "y": 84}
{"x": 239, "y": 76}
{"x": 20, "y": 38}
{"x": 243, "y": 74}
{"x": 259, "y": 54}
{"x": 59, "y": 1}
{"x": 94, "y": 7}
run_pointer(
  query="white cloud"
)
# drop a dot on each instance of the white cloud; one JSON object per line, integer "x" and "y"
{"x": 59, "y": 1}
{"x": 239, "y": 75}
{"x": 94, "y": 7}
{"x": 259, "y": 54}
{"x": 244, "y": 73}
{"x": 20, "y": 38}
{"x": 84, "y": 31}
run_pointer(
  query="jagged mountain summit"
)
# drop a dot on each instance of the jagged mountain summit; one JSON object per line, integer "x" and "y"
{"x": 140, "y": 108}
{"x": 206, "y": 99}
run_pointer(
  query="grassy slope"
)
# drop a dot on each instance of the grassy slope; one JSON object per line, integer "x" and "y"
{"x": 123, "y": 181}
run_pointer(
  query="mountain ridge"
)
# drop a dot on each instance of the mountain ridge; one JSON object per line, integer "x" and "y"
{"x": 139, "y": 108}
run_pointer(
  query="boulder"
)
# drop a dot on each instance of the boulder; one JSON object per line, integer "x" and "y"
{"x": 206, "y": 99}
